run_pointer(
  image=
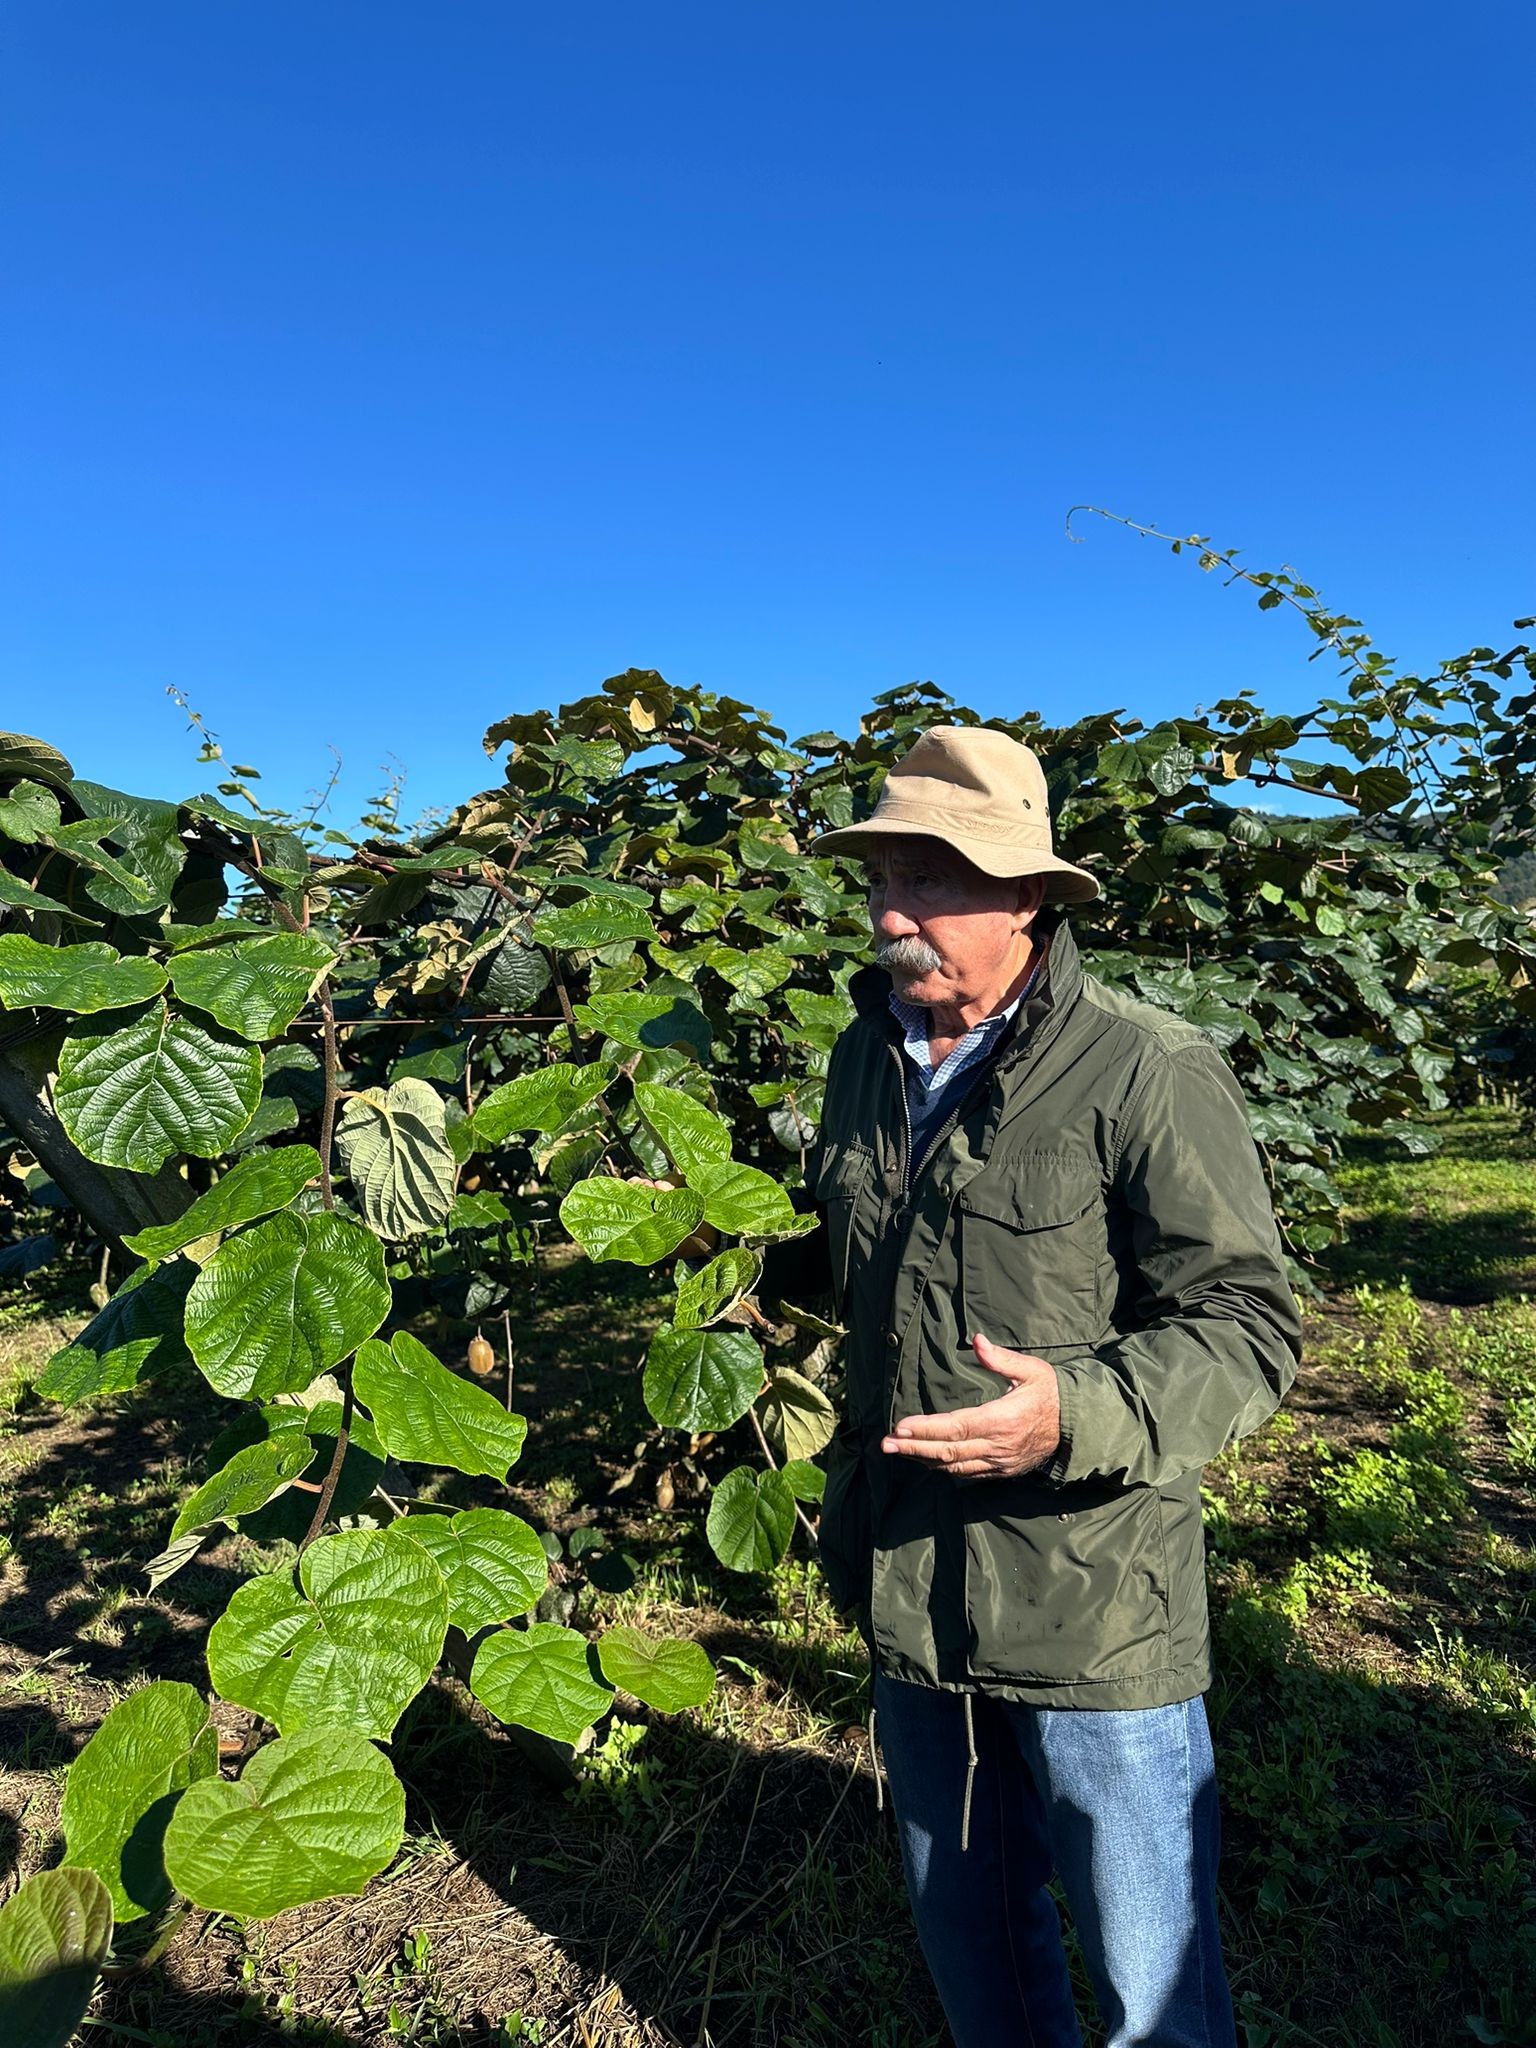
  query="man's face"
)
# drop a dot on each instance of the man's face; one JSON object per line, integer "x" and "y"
{"x": 945, "y": 932}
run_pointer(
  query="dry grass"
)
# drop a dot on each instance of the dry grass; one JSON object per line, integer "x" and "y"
{"x": 723, "y": 1877}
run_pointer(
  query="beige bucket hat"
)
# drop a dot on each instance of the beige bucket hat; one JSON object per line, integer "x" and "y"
{"x": 978, "y": 791}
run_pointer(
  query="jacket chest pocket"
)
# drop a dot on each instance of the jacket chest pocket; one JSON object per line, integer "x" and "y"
{"x": 845, "y": 1174}
{"x": 1032, "y": 1247}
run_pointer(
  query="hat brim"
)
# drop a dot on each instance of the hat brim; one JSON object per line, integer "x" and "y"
{"x": 1065, "y": 883}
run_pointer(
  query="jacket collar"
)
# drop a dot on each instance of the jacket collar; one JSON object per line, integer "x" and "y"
{"x": 1054, "y": 994}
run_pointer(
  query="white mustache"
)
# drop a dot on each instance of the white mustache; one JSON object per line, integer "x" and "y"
{"x": 907, "y": 956}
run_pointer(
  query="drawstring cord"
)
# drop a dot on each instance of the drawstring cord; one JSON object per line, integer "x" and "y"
{"x": 970, "y": 1775}
{"x": 971, "y": 1761}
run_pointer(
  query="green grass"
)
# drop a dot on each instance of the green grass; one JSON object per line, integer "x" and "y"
{"x": 1458, "y": 1224}
{"x": 723, "y": 1877}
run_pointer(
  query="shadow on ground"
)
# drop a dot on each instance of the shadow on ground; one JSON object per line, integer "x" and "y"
{"x": 733, "y": 1885}
{"x": 722, "y": 1892}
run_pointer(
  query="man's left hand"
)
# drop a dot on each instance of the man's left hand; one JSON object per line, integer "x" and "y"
{"x": 998, "y": 1439}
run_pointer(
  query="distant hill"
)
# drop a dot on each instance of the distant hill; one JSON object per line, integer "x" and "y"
{"x": 1517, "y": 881}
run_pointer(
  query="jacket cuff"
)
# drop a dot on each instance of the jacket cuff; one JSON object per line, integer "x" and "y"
{"x": 1057, "y": 1466}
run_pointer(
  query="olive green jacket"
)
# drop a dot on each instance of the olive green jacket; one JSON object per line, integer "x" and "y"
{"x": 1098, "y": 1200}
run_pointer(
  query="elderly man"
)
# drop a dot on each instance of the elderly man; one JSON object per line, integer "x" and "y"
{"x": 1052, "y": 1245}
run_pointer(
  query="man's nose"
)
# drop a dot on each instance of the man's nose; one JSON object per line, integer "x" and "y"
{"x": 894, "y": 923}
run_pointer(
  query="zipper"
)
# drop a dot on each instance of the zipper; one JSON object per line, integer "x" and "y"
{"x": 930, "y": 1150}
{"x": 906, "y": 1130}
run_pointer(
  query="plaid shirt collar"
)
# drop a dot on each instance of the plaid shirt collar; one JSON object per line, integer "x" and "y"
{"x": 913, "y": 1019}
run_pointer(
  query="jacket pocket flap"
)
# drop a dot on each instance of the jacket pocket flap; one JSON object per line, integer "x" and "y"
{"x": 1035, "y": 1191}
{"x": 843, "y": 1170}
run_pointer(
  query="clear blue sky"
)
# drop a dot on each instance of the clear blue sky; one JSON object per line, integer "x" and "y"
{"x": 373, "y": 370}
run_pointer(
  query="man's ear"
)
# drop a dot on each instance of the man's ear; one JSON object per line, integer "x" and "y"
{"x": 1031, "y": 896}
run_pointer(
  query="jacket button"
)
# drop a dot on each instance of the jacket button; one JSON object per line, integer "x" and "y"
{"x": 892, "y": 1339}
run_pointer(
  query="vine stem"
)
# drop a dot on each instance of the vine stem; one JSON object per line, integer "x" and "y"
{"x": 487, "y": 1018}
{"x": 251, "y": 869}
{"x": 338, "y": 1456}
{"x": 1329, "y": 635}
{"x": 1335, "y": 796}
{"x": 773, "y": 1465}
{"x": 332, "y": 1065}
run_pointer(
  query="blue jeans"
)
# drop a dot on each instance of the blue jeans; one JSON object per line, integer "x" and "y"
{"x": 1122, "y": 1804}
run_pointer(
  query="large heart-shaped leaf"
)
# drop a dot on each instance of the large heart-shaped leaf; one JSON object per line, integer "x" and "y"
{"x": 1172, "y": 768}
{"x": 252, "y": 1187}
{"x": 28, "y": 813}
{"x": 429, "y": 1416}
{"x": 592, "y": 924}
{"x": 20, "y": 895}
{"x": 693, "y": 1135}
{"x": 798, "y": 1419}
{"x": 285, "y": 1300}
{"x": 138, "y": 1332}
{"x": 701, "y": 1379}
{"x": 434, "y": 1063}
{"x": 648, "y": 1018}
{"x": 492, "y": 1563}
{"x": 313, "y": 1815}
{"x": 704, "y": 1297}
{"x": 805, "y": 1481}
{"x": 82, "y": 842}
{"x": 822, "y": 1018}
{"x": 751, "y": 1519}
{"x": 592, "y": 760}
{"x": 615, "y": 1219}
{"x": 394, "y": 1143}
{"x": 1382, "y": 788}
{"x": 21, "y": 755}
{"x": 745, "y": 1201}
{"x": 54, "y": 1936}
{"x": 149, "y": 1083}
{"x": 77, "y": 978}
{"x": 122, "y": 1788}
{"x": 667, "y": 1673}
{"x": 515, "y": 978}
{"x": 255, "y": 986}
{"x": 246, "y": 1483}
{"x": 539, "y": 1678}
{"x": 540, "y": 1101}
{"x": 148, "y": 851}
{"x": 751, "y": 974}
{"x": 244, "y": 824}
{"x": 352, "y": 1649}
